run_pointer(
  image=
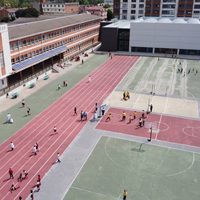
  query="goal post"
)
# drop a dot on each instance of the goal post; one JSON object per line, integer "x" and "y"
{"x": 159, "y": 89}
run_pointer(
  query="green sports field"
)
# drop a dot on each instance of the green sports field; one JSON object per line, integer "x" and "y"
{"x": 146, "y": 171}
{"x": 148, "y": 71}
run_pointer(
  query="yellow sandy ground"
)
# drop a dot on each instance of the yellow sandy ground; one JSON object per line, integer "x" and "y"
{"x": 173, "y": 106}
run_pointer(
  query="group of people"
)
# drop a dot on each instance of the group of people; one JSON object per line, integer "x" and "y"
{"x": 65, "y": 83}
{"x": 126, "y": 96}
{"x": 83, "y": 115}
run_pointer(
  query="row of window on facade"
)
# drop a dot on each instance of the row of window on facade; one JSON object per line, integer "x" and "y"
{"x": 28, "y": 42}
{"x": 125, "y": 1}
{"x": 50, "y": 47}
{"x": 55, "y": 10}
{"x": 46, "y": 49}
{"x": 57, "y": 5}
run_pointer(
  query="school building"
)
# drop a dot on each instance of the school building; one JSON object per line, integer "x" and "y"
{"x": 153, "y": 35}
{"x": 28, "y": 48}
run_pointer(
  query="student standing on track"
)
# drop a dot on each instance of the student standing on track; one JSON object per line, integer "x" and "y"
{"x": 34, "y": 149}
{"x": 124, "y": 195}
{"x": 81, "y": 115}
{"x": 54, "y": 129}
{"x": 124, "y": 116}
{"x": 96, "y": 107}
{"x": 11, "y": 173}
{"x": 12, "y": 146}
{"x": 25, "y": 174}
{"x": 130, "y": 118}
{"x": 28, "y": 110}
{"x": 37, "y": 146}
{"x": 38, "y": 185}
{"x": 75, "y": 113}
{"x": 108, "y": 118}
{"x": 58, "y": 157}
{"x": 140, "y": 122}
{"x": 89, "y": 79}
{"x": 20, "y": 177}
{"x": 39, "y": 179}
{"x": 85, "y": 114}
{"x": 31, "y": 195}
{"x": 23, "y": 102}
{"x": 135, "y": 115}
{"x": 103, "y": 111}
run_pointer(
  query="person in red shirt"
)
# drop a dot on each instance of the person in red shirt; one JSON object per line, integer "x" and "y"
{"x": 39, "y": 179}
{"x": 11, "y": 173}
{"x": 32, "y": 195}
{"x": 37, "y": 146}
{"x": 13, "y": 187}
{"x": 38, "y": 185}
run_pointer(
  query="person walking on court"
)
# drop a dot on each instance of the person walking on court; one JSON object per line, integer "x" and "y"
{"x": 11, "y": 173}
{"x": 28, "y": 110}
{"x": 8, "y": 117}
{"x": 59, "y": 87}
{"x": 63, "y": 83}
{"x": 12, "y": 146}
{"x": 89, "y": 79}
{"x": 66, "y": 83}
{"x": 134, "y": 115}
{"x": 130, "y": 118}
{"x": 23, "y": 102}
{"x": 103, "y": 111}
{"x": 75, "y": 113}
{"x": 143, "y": 114}
{"x": 34, "y": 150}
{"x": 196, "y": 71}
{"x": 124, "y": 116}
{"x": 96, "y": 107}
{"x": 124, "y": 195}
{"x": 124, "y": 95}
{"x": 140, "y": 122}
{"x": 151, "y": 108}
{"x": 108, "y": 118}
{"x": 58, "y": 157}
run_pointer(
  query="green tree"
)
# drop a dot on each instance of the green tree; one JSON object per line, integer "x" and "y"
{"x": 107, "y": 6}
{"x": 5, "y": 19}
{"x": 109, "y": 14}
{"x": 19, "y": 13}
{"x": 25, "y": 4}
{"x": 13, "y": 3}
{"x": 86, "y": 2}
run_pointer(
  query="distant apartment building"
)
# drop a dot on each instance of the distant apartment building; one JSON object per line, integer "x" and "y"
{"x": 8, "y": 11}
{"x": 52, "y": 7}
{"x": 133, "y": 9}
{"x": 98, "y": 10}
{"x": 110, "y": 2}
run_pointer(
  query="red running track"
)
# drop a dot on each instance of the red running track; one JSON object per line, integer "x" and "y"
{"x": 172, "y": 129}
{"x": 84, "y": 96}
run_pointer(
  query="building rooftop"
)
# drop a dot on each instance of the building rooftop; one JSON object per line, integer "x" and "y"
{"x": 96, "y": 8}
{"x": 51, "y": 2}
{"x": 124, "y": 24}
{"x": 17, "y": 31}
{"x": 178, "y": 20}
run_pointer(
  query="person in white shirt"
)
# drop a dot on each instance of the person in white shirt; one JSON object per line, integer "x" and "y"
{"x": 58, "y": 157}
{"x": 8, "y": 117}
{"x": 59, "y": 87}
{"x": 34, "y": 149}
{"x": 12, "y": 146}
{"x": 89, "y": 78}
{"x": 23, "y": 102}
{"x": 54, "y": 128}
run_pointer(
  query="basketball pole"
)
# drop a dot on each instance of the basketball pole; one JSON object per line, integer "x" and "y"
{"x": 150, "y": 134}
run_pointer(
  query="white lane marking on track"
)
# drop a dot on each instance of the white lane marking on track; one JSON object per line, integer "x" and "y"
{"x": 185, "y": 169}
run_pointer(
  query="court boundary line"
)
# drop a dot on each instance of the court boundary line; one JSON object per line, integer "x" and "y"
{"x": 81, "y": 167}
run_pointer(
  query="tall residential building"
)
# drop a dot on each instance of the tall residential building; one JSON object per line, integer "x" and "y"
{"x": 133, "y": 9}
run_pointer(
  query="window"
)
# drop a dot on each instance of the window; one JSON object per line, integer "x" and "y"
{"x": 43, "y": 49}
{"x": 32, "y": 40}
{"x": 133, "y": 5}
{"x": 33, "y": 53}
{"x": 36, "y": 40}
{"x": 58, "y": 44}
{"x": 39, "y": 38}
{"x": 124, "y": 16}
{"x": 132, "y": 17}
{"x": 60, "y": 33}
{"x": 52, "y": 46}
{"x": 196, "y": 6}
{"x": 132, "y": 11}
{"x": 28, "y": 42}
{"x": 116, "y": 5}
{"x": 40, "y": 51}
{"x": 52, "y": 35}
{"x": 141, "y": 0}
{"x": 124, "y": 11}
{"x": 11, "y": 47}
{"x": 116, "y": 11}
{"x": 46, "y": 36}
{"x": 47, "y": 49}
{"x": 21, "y": 58}
{"x": 141, "y": 5}
{"x": 124, "y": 6}
{"x": 49, "y": 35}
{"x": 125, "y": 0}
{"x": 133, "y": 0}
{"x": 141, "y": 11}
{"x": 63, "y": 32}
{"x": 24, "y": 43}
{"x": 57, "y": 33}
{"x": 55, "y": 45}
{"x": 17, "y": 60}
{"x": 13, "y": 61}
{"x": 43, "y": 38}
{"x": 20, "y": 44}
{"x": 25, "y": 57}
{"x": 29, "y": 55}
{"x": 168, "y": 12}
